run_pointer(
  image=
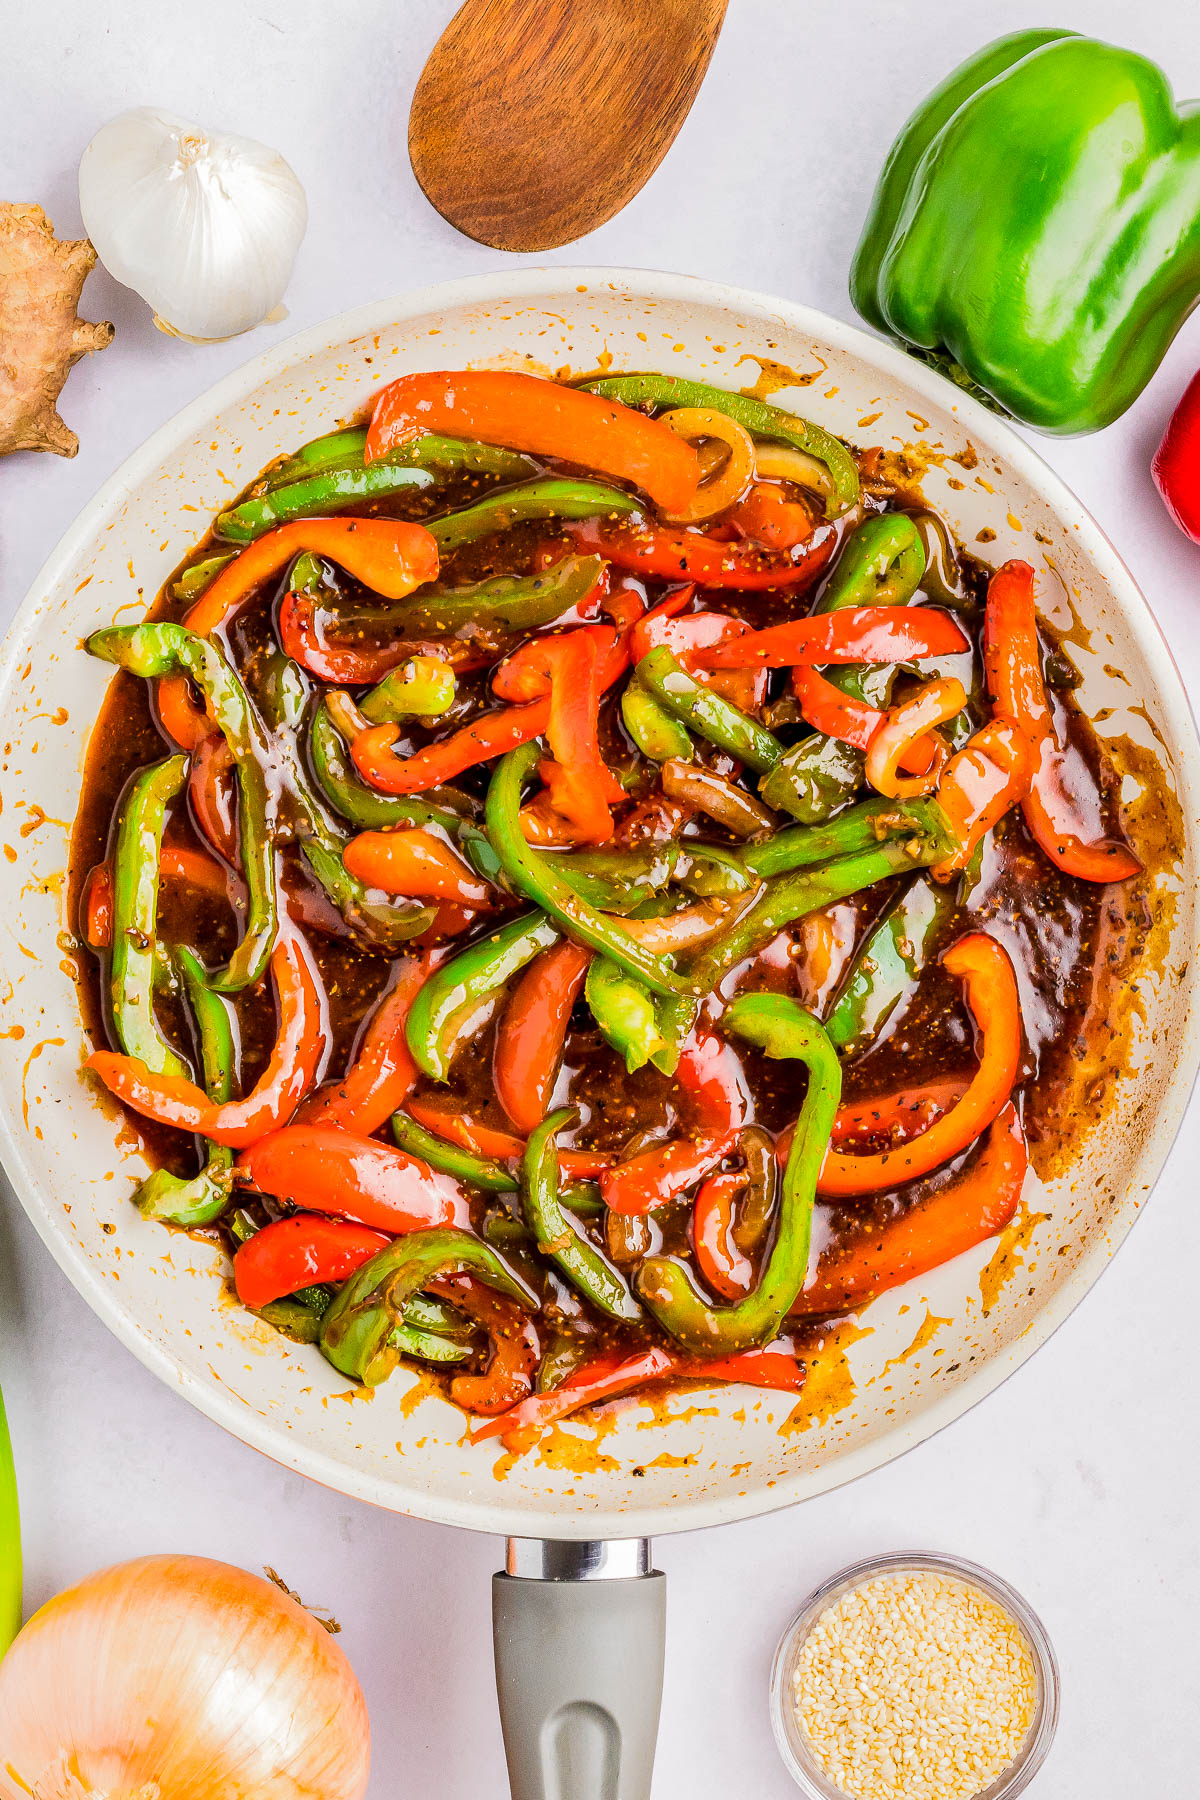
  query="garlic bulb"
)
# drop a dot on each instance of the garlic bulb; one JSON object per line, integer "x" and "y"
{"x": 204, "y": 226}
{"x": 175, "y": 1676}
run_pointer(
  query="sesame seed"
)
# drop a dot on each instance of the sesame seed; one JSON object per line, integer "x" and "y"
{"x": 914, "y": 1686}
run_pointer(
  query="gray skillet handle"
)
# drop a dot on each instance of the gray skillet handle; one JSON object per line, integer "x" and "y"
{"x": 579, "y": 1631}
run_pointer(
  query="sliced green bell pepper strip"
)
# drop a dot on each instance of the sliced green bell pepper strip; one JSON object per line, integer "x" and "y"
{"x": 421, "y": 688}
{"x": 713, "y": 873}
{"x": 451, "y": 1159}
{"x": 328, "y": 491}
{"x": 814, "y": 779}
{"x": 655, "y": 731}
{"x": 191, "y": 584}
{"x": 202, "y": 1198}
{"x": 358, "y": 1330}
{"x": 336, "y": 449}
{"x": 10, "y": 1541}
{"x": 625, "y": 1013}
{"x": 708, "y": 714}
{"x": 502, "y": 603}
{"x": 156, "y": 650}
{"x": 131, "y": 979}
{"x": 556, "y": 1234}
{"x": 550, "y": 497}
{"x": 449, "y": 456}
{"x": 350, "y": 796}
{"x": 427, "y": 1346}
{"x": 1035, "y": 233}
{"x": 861, "y": 827}
{"x": 539, "y": 881}
{"x": 455, "y": 991}
{"x": 756, "y": 416}
{"x": 884, "y": 971}
{"x": 283, "y": 692}
{"x": 779, "y": 1027}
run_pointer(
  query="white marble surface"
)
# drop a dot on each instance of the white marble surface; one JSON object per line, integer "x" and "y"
{"x": 1078, "y": 1479}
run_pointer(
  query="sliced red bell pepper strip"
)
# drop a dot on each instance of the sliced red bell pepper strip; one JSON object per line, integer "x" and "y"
{"x": 608, "y": 1377}
{"x": 515, "y": 1351}
{"x": 300, "y": 1252}
{"x": 710, "y": 1071}
{"x": 1012, "y": 660}
{"x": 176, "y": 861}
{"x": 979, "y": 1203}
{"x": 299, "y": 1047}
{"x": 994, "y": 1004}
{"x": 327, "y": 1170}
{"x": 389, "y": 556}
{"x": 382, "y": 1072}
{"x": 767, "y": 517}
{"x": 854, "y": 634}
{"x": 416, "y": 863}
{"x": 525, "y": 412}
{"x": 213, "y": 796}
{"x": 908, "y": 723}
{"x": 502, "y": 1146}
{"x": 662, "y": 1173}
{"x": 1176, "y": 465}
{"x": 728, "y": 1271}
{"x": 745, "y": 688}
{"x": 667, "y": 554}
{"x": 533, "y": 1030}
{"x": 827, "y": 709}
{"x": 979, "y": 784}
{"x": 895, "y": 1118}
{"x": 581, "y": 786}
{"x": 346, "y": 664}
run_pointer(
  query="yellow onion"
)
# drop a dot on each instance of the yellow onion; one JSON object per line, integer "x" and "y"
{"x": 731, "y": 474}
{"x": 177, "y": 1678}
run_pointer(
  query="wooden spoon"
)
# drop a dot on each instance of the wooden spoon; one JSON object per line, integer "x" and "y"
{"x": 534, "y": 121}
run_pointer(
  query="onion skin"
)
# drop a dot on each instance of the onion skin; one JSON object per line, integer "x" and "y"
{"x": 183, "y": 1679}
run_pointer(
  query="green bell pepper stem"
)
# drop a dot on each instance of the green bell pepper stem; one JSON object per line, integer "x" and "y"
{"x": 814, "y": 779}
{"x": 708, "y": 714}
{"x": 625, "y": 1013}
{"x": 655, "y": 731}
{"x": 140, "y": 827}
{"x": 155, "y": 650}
{"x": 329, "y": 491}
{"x": 1020, "y": 239}
{"x": 503, "y": 603}
{"x": 559, "y": 1238}
{"x": 861, "y": 827}
{"x": 539, "y": 881}
{"x": 191, "y": 584}
{"x": 10, "y": 1541}
{"x": 456, "y": 990}
{"x": 202, "y": 1198}
{"x": 883, "y": 975}
{"x": 350, "y": 796}
{"x": 476, "y": 1171}
{"x": 547, "y": 498}
{"x": 756, "y": 416}
{"x": 421, "y": 688}
{"x": 357, "y": 1331}
{"x": 779, "y": 1027}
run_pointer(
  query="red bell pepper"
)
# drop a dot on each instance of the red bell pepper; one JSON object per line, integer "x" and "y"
{"x": 710, "y": 1072}
{"x": 382, "y": 1071}
{"x": 1012, "y": 660}
{"x": 994, "y": 1004}
{"x": 979, "y": 784}
{"x": 389, "y": 556}
{"x": 290, "y": 1072}
{"x": 492, "y": 735}
{"x": 212, "y": 794}
{"x": 662, "y": 1173}
{"x": 727, "y": 1269}
{"x": 416, "y": 863}
{"x": 767, "y": 517}
{"x": 744, "y": 688}
{"x": 892, "y": 1119}
{"x": 502, "y": 1146}
{"x": 850, "y": 720}
{"x": 176, "y": 862}
{"x": 300, "y": 1252}
{"x": 665, "y": 553}
{"x": 568, "y": 665}
{"x": 327, "y": 1170}
{"x": 526, "y": 412}
{"x": 979, "y": 1203}
{"x": 854, "y": 634}
{"x": 514, "y": 1351}
{"x": 346, "y": 664}
{"x": 1176, "y": 465}
{"x": 533, "y": 1030}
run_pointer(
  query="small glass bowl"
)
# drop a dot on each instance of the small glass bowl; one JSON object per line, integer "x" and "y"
{"x": 793, "y": 1744}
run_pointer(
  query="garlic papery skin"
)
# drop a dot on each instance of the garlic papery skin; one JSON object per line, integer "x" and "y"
{"x": 205, "y": 226}
{"x": 177, "y": 1678}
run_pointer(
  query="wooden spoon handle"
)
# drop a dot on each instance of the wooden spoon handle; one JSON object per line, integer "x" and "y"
{"x": 534, "y": 121}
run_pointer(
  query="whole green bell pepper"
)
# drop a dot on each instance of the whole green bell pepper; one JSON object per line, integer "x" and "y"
{"x": 1036, "y": 229}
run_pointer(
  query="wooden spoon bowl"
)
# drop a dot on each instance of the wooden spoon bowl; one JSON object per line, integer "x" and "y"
{"x": 534, "y": 121}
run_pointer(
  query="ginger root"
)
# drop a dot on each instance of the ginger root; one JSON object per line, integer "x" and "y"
{"x": 41, "y": 334}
